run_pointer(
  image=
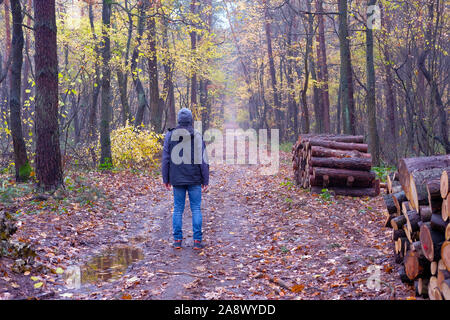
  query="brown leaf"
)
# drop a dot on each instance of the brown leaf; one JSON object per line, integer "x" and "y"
{"x": 298, "y": 288}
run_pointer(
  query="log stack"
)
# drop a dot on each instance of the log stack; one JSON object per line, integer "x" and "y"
{"x": 417, "y": 209}
{"x": 339, "y": 163}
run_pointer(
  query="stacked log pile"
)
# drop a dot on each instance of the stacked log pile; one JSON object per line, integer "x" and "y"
{"x": 417, "y": 209}
{"x": 339, "y": 163}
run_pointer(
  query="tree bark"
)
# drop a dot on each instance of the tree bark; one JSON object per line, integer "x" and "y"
{"x": 344, "y": 174}
{"x": 168, "y": 87}
{"x": 317, "y": 98}
{"x": 21, "y": 163}
{"x": 391, "y": 104}
{"x": 408, "y": 166}
{"x": 194, "y": 85}
{"x": 342, "y": 163}
{"x": 276, "y": 99}
{"x": 122, "y": 74}
{"x": 443, "y": 113}
{"x": 350, "y": 192}
{"x": 205, "y": 101}
{"x": 317, "y": 151}
{"x": 323, "y": 67}
{"x": 142, "y": 99}
{"x": 361, "y": 147}
{"x": 5, "y": 94}
{"x": 105, "y": 139}
{"x": 155, "y": 104}
{"x": 374, "y": 144}
{"x": 92, "y": 121}
{"x": 417, "y": 191}
{"x": 346, "y": 80}
{"x": 48, "y": 153}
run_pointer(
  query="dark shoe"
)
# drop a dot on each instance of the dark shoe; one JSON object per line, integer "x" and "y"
{"x": 177, "y": 244}
{"x": 198, "y": 245}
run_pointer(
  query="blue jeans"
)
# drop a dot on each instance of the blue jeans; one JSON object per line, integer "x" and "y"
{"x": 195, "y": 199}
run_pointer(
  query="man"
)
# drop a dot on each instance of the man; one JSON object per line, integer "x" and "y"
{"x": 185, "y": 167}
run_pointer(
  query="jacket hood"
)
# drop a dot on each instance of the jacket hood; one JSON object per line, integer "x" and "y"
{"x": 185, "y": 117}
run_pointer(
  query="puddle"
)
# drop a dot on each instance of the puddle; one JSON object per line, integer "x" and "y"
{"x": 108, "y": 266}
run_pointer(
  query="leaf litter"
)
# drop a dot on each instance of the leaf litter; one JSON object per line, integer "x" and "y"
{"x": 265, "y": 239}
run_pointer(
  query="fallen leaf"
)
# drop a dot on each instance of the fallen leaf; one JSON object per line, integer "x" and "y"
{"x": 298, "y": 288}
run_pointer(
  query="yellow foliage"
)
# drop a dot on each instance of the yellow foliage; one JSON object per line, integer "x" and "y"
{"x": 132, "y": 148}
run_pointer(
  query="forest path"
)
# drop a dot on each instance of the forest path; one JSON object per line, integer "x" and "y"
{"x": 265, "y": 239}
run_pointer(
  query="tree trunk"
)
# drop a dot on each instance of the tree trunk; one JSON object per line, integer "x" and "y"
{"x": 292, "y": 123}
{"x": 361, "y": 147}
{"x": 21, "y": 164}
{"x": 26, "y": 88}
{"x": 122, "y": 74}
{"x": 350, "y": 192}
{"x": 346, "y": 80}
{"x": 391, "y": 104}
{"x": 155, "y": 105}
{"x": 142, "y": 99}
{"x": 442, "y": 111}
{"x": 168, "y": 87}
{"x": 323, "y": 67}
{"x": 48, "y": 153}
{"x": 5, "y": 93}
{"x": 273, "y": 77}
{"x": 317, "y": 151}
{"x": 374, "y": 144}
{"x": 362, "y": 176}
{"x": 194, "y": 88}
{"x": 317, "y": 98}
{"x": 205, "y": 101}
{"x": 342, "y": 163}
{"x": 92, "y": 131}
{"x": 122, "y": 84}
{"x": 105, "y": 139}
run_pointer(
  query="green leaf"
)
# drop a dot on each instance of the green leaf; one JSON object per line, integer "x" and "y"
{"x": 38, "y": 285}
{"x": 59, "y": 270}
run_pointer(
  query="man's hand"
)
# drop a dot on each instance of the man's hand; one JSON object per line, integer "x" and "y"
{"x": 204, "y": 188}
{"x": 168, "y": 186}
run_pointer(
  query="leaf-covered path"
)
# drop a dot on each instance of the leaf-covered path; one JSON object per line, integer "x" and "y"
{"x": 265, "y": 239}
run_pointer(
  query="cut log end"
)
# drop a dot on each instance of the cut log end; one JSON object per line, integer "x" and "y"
{"x": 445, "y": 209}
{"x": 431, "y": 242}
{"x": 445, "y": 289}
{"x": 444, "y": 184}
{"x": 445, "y": 254}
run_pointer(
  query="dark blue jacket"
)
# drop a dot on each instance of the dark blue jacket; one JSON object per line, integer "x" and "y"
{"x": 181, "y": 169}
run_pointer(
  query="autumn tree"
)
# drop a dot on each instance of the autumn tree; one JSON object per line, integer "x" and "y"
{"x": 371, "y": 95}
{"x": 48, "y": 154}
{"x": 105, "y": 139}
{"x": 346, "y": 78}
{"x": 21, "y": 164}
